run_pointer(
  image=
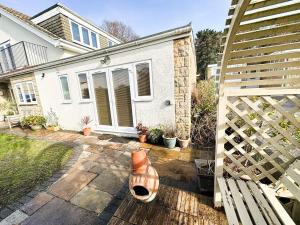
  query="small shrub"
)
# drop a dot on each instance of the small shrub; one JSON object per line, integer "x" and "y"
{"x": 8, "y": 108}
{"x": 204, "y": 114}
{"x": 86, "y": 120}
{"x": 141, "y": 130}
{"x": 33, "y": 120}
{"x": 169, "y": 132}
{"x": 155, "y": 135}
{"x": 52, "y": 119}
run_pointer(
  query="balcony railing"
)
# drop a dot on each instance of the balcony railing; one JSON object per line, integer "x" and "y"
{"x": 20, "y": 55}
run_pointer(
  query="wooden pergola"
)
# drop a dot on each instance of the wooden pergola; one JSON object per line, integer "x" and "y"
{"x": 258, "y": 132}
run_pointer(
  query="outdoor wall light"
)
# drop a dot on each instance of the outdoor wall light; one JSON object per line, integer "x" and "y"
{"x": 105, "y": 60}
{"x": 43, "y": 75}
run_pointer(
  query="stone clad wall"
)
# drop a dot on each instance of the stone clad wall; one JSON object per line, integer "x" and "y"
{"x": 27, "y": 109}
{"x": 185, "y": 78}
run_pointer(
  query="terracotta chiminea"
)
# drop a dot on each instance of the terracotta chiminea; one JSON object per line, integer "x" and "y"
{"x": 143, "y": 180}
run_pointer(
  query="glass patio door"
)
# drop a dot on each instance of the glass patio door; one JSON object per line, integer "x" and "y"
{"x": 113, "y": 99}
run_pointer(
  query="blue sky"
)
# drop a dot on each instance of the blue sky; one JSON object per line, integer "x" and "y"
{"x": 144, "y": 16}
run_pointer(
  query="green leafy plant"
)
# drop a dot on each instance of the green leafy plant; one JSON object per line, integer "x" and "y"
{"x": 204, "y": 114}
{"x": 8, "y": 108}
{"x": 155, "y": 135}
{"x": 33, "y": 120}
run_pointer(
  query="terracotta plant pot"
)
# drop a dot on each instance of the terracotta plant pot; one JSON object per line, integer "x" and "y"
{"x": 143, "y": 138}
{"x": 143, "y": 180}
{"x": 183, "y": 143}
{"x": 87, "y": 131}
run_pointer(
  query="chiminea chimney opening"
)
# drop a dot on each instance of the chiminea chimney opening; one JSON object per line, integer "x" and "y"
{"x": 140, "y": 191}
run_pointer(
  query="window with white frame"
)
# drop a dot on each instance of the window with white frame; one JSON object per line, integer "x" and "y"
{"x": 84, "y": 86}
{"x": 84, "y": 35}
{"x": 26, "y": 92}
{"x": 75, "y": 31}
{"x": 94, "y": 40}
{"x": 143, "y": 81}
{"x": 110, "y": 43}
{"x": 64, "y": 82}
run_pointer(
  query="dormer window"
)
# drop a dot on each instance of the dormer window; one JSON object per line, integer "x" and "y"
{"x": 75, "y": 31}
{"x": 85, "y": 35}
{"x": 94, "y": 40}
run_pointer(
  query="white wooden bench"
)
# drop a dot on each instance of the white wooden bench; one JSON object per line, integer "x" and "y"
{"x": 256, "y": 203}
{"x": 14, "y": 120}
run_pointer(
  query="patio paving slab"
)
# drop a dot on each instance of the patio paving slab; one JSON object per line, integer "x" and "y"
{"x": 36, "y": 203}
{"x": 92, "y": 199}
{"x": 59, "y": 212}
{"x": 15, "y": 218}
{"x": 71, "y": 184}
{"x": 110, "y": 181}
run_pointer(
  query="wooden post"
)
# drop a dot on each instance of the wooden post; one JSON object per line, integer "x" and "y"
{"x": 219, "y": 153}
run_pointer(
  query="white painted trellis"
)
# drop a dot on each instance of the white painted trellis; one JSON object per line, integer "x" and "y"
{"x": 259, "y": 97}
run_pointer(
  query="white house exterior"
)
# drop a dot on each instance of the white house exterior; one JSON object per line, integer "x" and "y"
{"x": 53, "y": 34}
{"x": 149, "y": 80}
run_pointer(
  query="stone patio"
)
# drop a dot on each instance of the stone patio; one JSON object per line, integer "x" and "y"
{"x": 93, "y": 186}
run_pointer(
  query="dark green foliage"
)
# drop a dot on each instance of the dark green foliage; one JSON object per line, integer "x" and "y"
{"x": 208, "y": 45}
{"x": 155, "y": 135}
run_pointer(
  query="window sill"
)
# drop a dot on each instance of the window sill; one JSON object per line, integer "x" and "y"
{"x": 28, "y": 104}
{"x": 66, "y": 102}
{"x": 147, "y": 99}
{"x": 85, "y": 101}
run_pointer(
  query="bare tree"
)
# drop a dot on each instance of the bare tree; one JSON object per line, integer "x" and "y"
{"x": 120, "y": 30}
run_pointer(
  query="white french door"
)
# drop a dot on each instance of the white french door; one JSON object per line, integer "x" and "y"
{"x": 113, "y": 94}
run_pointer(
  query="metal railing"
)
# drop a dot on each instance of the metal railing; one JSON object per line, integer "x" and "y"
{"x": 20, "y": 55}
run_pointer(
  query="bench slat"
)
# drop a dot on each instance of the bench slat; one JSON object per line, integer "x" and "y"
{"x": 227, "y": 201}
{"x": 240, "y": 206}
{"x": 291, "y": 187}
{"x": 293, "y": 174}
{"x": 254, "y": 210}
{"x": 263, "y": 204}
{"x": 281, "y": 212}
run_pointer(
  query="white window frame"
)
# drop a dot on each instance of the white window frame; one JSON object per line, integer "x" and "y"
{"x": 92, "y": 32}
{"x": 20, "y": 84}
{"x": 64, "y": 101}
{"x": 83, "y": 100}
{"x": 138, "y": 98}
{"x": 81, "y": 35}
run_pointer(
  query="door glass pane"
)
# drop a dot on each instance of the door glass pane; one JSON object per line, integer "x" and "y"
{"x": 84, "y": 87}
{"x": 121, "y": 88}
{"x": 102, "y": 99}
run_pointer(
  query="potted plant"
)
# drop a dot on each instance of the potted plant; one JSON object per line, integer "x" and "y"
{"x": 52, "y": 121}
{"x": 169, "y": 137}
{"x": 35, "y": 122}
{"x": 7, "y": 108}
{"x": 183, "y": 140}
{"x": 142, "y": 132}
{"x": 155, "y": 135}
{"x": 86, "y": 120}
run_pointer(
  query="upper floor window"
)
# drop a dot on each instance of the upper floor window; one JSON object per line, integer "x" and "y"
{"x": 143, "y": 81}
{"x": 64, "y": 82}
{"x": 94, "y": 40}
{"x": 84, "y": 86}
{"x": 85, "y": 36}
{"x": 75, "y": 31}
{"x": 26, "y": 92}
{"x": 110, "y": 43}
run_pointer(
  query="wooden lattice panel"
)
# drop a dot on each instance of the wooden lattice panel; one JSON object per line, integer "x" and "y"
{"x": 262, "y": 136}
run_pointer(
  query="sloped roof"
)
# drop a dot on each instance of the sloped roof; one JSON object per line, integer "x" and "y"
{"x": 27, "y": 19}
